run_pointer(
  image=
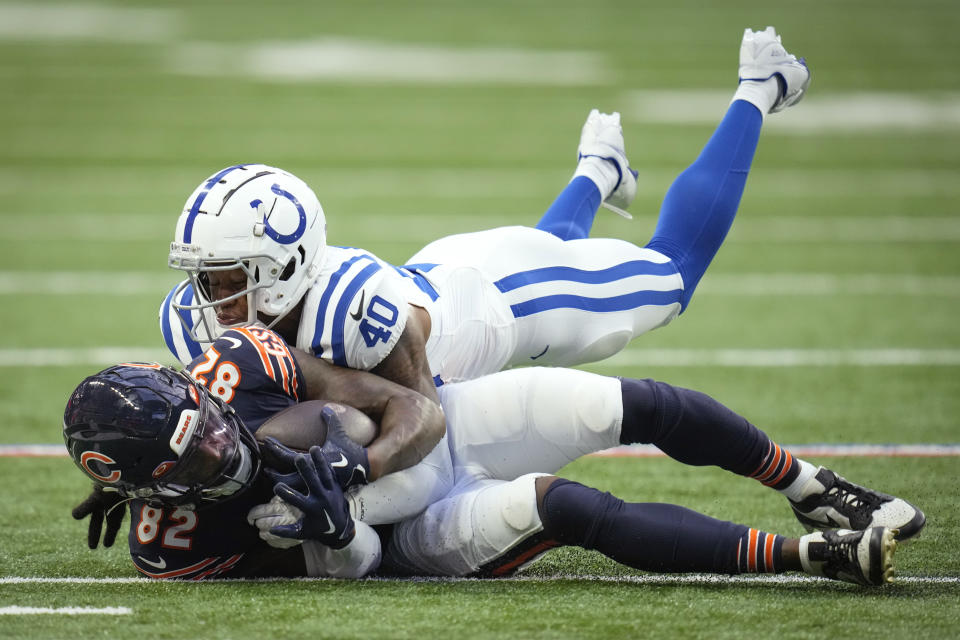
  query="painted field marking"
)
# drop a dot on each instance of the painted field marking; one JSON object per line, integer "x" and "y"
{"x": 155, "y": 284}
{"x": 94, "y": 356}
{"x": 651, "y": 579}
{"x": 367, "y": 61}
{"x": 780, "y": 358}
{"x": 856, "y": 111}
{"x": 945, "y": 357}
{"x": 823, "y": 450}
{"x": 30, "y": 22}
{"x": 67, "y": 611}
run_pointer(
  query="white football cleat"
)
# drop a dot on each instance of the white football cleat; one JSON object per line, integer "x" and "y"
{"x": 833, "y": 502}
{"x": 861, "y": 557}
{"x": 602, "y": 137}
{"x": 762, "y": 57}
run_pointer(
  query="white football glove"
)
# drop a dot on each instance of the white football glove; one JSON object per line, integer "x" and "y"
{"x": 272, "y": 514}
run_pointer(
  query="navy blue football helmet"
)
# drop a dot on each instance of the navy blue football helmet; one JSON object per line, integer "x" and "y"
{"x": 151, "y": 432}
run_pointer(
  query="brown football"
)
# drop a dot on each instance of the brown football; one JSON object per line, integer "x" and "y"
{"x": 301, "y": 427}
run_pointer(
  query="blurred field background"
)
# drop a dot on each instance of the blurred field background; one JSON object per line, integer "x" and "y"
{"x": 829, "y": 316}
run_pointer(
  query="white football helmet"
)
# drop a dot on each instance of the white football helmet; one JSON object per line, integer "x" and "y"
{"x": 260, "y": 219}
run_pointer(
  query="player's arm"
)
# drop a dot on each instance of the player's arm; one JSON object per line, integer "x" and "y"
{"x": 407, "y": 364}
{"x": 411, "y": 424}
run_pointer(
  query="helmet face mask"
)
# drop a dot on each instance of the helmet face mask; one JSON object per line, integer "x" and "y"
{"x": 261, "y": 220}
{"x": 150, "y": 432}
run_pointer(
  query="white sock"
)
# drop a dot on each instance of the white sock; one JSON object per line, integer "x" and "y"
{"x": 602, "y": 172}
{"x": 761, "y": 94}
{"x": 795, "y": 491}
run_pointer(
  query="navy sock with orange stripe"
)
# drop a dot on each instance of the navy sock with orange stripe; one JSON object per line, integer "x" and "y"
{"x": 760, "y": 552}
{"x": 695, "y": 429}
{"x": 654, "y": 537}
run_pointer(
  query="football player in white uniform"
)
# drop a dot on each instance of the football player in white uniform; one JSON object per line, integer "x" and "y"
{"x": 252, "y": 240}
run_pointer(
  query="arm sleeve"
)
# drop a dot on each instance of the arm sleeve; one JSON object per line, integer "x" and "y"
{"x": 403, "y": 494}
{"x": 355, "y": 560}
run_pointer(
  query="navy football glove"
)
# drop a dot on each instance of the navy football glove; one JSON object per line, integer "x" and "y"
{"x": 347, "y": 459}
{"x": 326, "y": 514}
{"x": 286, "y": 459}
{"x": 99, "y": 505}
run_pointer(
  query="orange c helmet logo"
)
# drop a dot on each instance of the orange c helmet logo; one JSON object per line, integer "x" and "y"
{"x": 87, "y": 456}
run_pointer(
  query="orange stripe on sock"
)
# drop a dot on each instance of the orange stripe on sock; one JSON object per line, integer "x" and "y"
{"x": 768, "y": 553}
{"x": 786, "y": 468}
{"x": 752, "y": 552}
{"x": 773, "y": 465}
{"x": 763, "y": 465}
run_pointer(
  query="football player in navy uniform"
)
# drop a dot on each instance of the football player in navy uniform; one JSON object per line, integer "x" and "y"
{"x": 247, "y": 371}
{"x": 182, "y": 448}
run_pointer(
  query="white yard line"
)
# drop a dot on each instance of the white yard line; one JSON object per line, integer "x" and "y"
{"x": 24, "y": 22}
{"x": 850, "y": 112}
{"x": 634, "y": 357}
{"x": 156, "y": 284}
{"x": 76, "y": 357}
{"x": 782, "y": 358}
{"x": 65, "y": 611}
{"x": 651, "y": 579}
{"x": 357, "y": 61}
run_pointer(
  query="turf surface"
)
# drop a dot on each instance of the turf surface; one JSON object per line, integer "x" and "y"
{"x": 106, "y": 131}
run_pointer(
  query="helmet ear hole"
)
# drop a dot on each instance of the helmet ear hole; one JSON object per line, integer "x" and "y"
{"x": 289, "y": 269}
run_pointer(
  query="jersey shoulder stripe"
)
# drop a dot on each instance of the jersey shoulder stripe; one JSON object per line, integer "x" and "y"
{"x": 332, "y": 285}
{"x": 340, "y": 314}
{"x": 275, "y": 358}
{"x": 412, "y": 271}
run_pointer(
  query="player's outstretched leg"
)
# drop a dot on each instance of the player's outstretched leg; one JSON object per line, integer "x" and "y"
{"x": 695, "y": 429}
{"x": 700, "y": 205}
{"x": 668, "y": 538}
{"x": 603, "y": 174}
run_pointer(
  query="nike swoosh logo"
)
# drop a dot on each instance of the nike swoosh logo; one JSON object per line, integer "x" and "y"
{"x": 234, "y": 343}
{"x": 541, "y": 353}
{"x": 342, "y": 462}
{"x": 329, "y": 522}
{"x": 362, "y": 471}
{"x": 359, "y": 312}
{"x": 162, "y": 564}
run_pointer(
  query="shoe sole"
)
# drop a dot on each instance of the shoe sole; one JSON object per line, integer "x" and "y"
{"x": 883, "y": 544}
{"x": 903, "y": 533}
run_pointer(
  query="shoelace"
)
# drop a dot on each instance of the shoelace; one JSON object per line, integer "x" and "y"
{"x": 842, "y": 554}
{"x": 847, "y": 497}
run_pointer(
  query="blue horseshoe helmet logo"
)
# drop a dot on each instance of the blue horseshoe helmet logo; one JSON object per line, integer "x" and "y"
{"x": 282, "y": 238}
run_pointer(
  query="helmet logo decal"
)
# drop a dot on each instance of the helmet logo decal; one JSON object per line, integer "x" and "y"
{"x": 184, "y": 431}
{"x": 163, "y": 467}
{"x": 288, "y": 238}
{"x": 87, "y": 456}
{"x": 195, "y": 207}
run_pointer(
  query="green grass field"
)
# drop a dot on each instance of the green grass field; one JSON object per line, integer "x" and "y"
{"x": 829, "y": 316}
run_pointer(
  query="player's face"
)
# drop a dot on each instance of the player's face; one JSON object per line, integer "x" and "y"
{"x": 223, "y": 284}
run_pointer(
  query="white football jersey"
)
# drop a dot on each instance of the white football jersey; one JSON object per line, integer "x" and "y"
{"x": 497, "y": 298}
{"x": 358, "y": 307}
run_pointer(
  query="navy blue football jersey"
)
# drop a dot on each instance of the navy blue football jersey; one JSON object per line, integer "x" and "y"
{"x": 253, "y": 371}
